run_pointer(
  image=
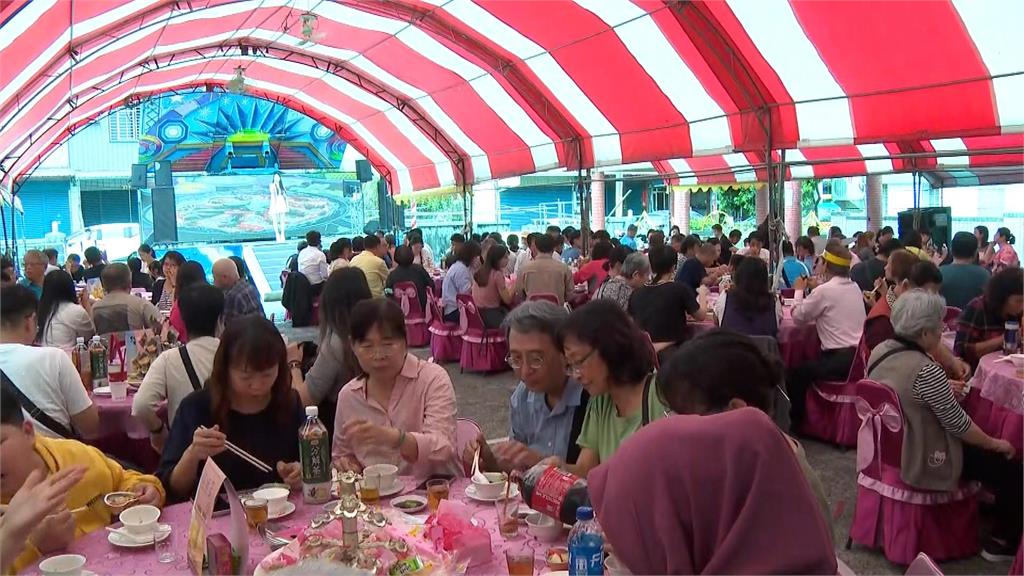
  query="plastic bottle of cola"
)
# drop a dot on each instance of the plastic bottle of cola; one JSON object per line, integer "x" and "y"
{"x": 554, "y": 492}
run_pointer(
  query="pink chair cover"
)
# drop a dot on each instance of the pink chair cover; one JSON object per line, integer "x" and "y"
{"x": 903, "y": 520}
{"x": 923, "y": 566}
{"x": 466, "y": 431}
{"x": 445, "y": 338}
{"x": 831, "y": 414}
{"x": 1018, "y": 563}
{"x": 483, "y": 349}
{"x": 951, "y": 318}
{"x": 416, "y": 324}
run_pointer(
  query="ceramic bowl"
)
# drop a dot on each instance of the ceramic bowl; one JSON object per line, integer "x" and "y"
{"x": 494, "y": 486}
{"x": 140, "y": 520}
{"x": 543, "y": 528}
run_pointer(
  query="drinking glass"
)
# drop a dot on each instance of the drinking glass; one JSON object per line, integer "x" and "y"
{"x": 369, "y": 489}
{"x": 257, "y": 510}
{"x": 520, "y": 561}
{"x": 162, "y": 545}
{"x": 508, "y": 518}
{"x": 437, "y": 490}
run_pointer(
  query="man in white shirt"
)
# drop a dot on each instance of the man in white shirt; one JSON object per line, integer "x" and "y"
{"x": 527, "y": 254}
{"x": 313, "y": 262}
{"x": 45, "y": 376}
{"x": 168, "y": 379}
{"x": 756, "y": 248}
{"x": 837, "y": 310}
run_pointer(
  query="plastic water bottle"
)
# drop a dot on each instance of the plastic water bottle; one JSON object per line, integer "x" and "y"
{"x": 315, "y": 456}
{"x": 586, "y": 544}
{"x": 1011, "y": 342}
{"x": 98, "y": 362}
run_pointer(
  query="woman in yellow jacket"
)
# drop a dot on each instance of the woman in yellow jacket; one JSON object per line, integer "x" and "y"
{"x": 23, "y": 452}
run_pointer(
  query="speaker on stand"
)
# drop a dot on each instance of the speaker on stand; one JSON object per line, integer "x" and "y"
{"x": 363, "y": 172}
{"x": 936, "y": 220}
{"x": 165, "y": 217}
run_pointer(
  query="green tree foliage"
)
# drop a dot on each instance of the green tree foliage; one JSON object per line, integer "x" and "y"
{"x": 738, "y": 202}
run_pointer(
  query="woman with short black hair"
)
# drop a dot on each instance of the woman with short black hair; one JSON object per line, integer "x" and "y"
{"x": 400, "y": 410}
{"x": 607, "y": 353}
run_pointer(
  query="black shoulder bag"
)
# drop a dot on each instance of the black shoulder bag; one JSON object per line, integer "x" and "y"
{"x": 34, "y": 411}
{"x": 190, "y": 369}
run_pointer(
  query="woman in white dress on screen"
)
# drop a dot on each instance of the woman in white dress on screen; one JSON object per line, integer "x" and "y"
{"x": 278, "y": 205}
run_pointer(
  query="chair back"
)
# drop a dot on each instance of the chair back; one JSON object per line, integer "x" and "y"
{"x": 543, "y": 296}
{"x": 858, "y": 368}
{"x": 466, "y": 431}
{"x": 469, "y": 314}
{"x": 880, "y": 438}
{"x": 434, "y": 314}
{"x": 650, "y": 346}
{"x": 407, "y": 297}
{"x": 923, "y": 566}
{"x": 952, "y": 317}
{"x": 787, "y": 292}
{"x": 769, "y": 346}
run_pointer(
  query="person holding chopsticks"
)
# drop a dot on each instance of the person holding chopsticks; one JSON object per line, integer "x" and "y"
{"x": 246, "y": 417}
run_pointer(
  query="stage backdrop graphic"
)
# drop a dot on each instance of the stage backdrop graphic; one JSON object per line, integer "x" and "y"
{"x": 236, "y": 207}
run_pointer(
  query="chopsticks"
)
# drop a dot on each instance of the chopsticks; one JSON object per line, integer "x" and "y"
{"x": 259, "y": 464}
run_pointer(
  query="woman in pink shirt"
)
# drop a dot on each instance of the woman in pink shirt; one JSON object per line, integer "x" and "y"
{"x": 1006, "y": 256}
{"x": 594, "y": 272}
{"x": 400, "y": 410}
{"x": 491, "y": 292}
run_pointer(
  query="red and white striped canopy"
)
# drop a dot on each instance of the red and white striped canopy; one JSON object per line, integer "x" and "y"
{"x": 442, "y": 92}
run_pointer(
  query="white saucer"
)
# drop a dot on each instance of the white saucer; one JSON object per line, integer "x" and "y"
{"x": 471, "y": 493}
{"x": 397, "y": 487}
{"x": 289, "y": 507}
{"x": 123, "y": 542}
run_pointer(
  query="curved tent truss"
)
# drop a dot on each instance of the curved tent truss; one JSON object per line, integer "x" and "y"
{"x": 448, "y": 92}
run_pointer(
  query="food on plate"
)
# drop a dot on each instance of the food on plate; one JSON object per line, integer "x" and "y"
{"x": 408, "y": 504}
{"x": 558, "y": 558}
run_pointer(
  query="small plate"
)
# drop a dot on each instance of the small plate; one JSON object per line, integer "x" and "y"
{"x": 124, "y": 542}
{"x": 101, "y": 391}
{"x": 420, "y": 500}
{"x": 289, "y": 507}
{"x": 396, "y": 488}
{"x": 471, "y": 493}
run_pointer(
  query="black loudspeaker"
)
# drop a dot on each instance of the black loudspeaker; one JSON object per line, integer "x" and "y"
{"x": 165, "y": 217}
{"x": 937, "y": 221}
{"x": 163, "y": 174}
{"x": 139, "y": 179}
{"x": 363, "y": 172}
{"x": 386, "y": 205}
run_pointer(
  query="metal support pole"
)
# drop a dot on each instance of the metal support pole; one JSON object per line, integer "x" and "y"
{"x": 585, "y": 203}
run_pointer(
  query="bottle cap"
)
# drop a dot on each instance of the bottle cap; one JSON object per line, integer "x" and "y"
{"x": 312, "y": 411}
{"x": 96, "y": 338}
{"x": 80, "y": 340}
{"x": 584, "y": 513}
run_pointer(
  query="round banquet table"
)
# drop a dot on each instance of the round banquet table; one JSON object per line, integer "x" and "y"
{"x": 798, "y": 343}
{"x": 121, "y": 435}
{"x": 105, "y": 559}
{"x": 996, "y": 400}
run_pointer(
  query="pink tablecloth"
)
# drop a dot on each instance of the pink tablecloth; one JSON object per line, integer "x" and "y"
{"x": 996, "y": 400}
{"x": 798, "y": 343}
{"x": 103, "y": 558}
{"x": 121, "y": 435}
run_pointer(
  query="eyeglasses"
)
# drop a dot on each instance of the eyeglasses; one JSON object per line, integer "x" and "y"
{"x": 574, "y": 368}
{"x": 533, "y": 361}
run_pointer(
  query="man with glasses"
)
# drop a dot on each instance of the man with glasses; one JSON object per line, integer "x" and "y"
{"x": 34, "y": 270}
{"x": 547, "y": 406}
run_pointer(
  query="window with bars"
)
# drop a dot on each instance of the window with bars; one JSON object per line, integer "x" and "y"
{"x": 123, "y": 125}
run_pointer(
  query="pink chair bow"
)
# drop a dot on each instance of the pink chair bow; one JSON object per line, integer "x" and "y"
{"x": 405, "y": 297}
{"x": 465, "y": 309}
{"x": 869, "y": 436}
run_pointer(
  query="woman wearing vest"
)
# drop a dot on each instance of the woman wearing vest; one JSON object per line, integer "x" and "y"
{"x": 749, "y": 307}
{"x": 941, "y": 444}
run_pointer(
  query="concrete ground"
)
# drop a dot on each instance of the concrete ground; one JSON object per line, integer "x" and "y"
{"x": 485, "y": 399}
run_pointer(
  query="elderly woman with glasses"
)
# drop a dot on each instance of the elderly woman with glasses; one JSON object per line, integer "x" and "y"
{"x": 941, "y": 444}
{"x": 399, "y": 410}
{"x": 614, "y": 361}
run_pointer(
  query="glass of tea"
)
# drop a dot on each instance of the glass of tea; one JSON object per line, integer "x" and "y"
{"x": 520, "y": 561}
{"x": 437, "y": 490}
{"x": 369, "y": 489}
{"x": 508, "y": 517}
{"x": 256, "y": 511}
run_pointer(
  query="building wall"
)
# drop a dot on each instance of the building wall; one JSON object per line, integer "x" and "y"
{"x": 92, "y": 152}
{"x": 44, "y": 200}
